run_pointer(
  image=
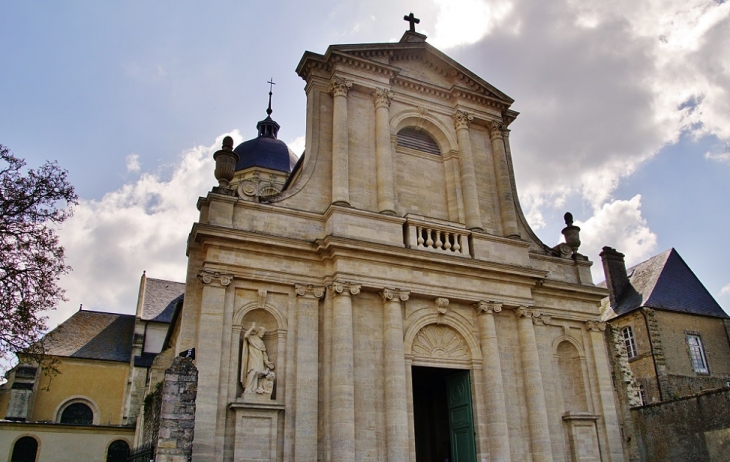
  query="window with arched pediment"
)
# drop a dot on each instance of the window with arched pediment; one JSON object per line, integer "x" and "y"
{"x": 25, "y": 450}
{"x": 78, "y": 414}
{"x": 419, "y": 140}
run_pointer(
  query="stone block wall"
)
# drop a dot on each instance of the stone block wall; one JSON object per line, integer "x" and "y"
{"x": 695, "y": 428}
{"x": 177, "y": 412}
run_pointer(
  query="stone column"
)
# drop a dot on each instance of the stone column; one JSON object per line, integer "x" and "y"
{"x": 468, "y": 174}
{"x": 340, "y": 157}
{"x": 504, "y": 185}
{"x": 534, "y": 391}
{"x": 497, "y": 430}
{"x": 383, "y": 154}
{"x": 208, "y": 360}
{"x": 396, "y": 407}
{"x": 343, "y": 378}
{"x": 307, "y": 383}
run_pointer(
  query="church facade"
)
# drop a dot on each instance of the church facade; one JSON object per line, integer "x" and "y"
{"x": 388, "y": 300}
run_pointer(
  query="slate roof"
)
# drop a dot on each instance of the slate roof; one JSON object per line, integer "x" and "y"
{"x": 160, "y": 298}
{"x": 93, "y": 335}
{"x": 665, "y": 282}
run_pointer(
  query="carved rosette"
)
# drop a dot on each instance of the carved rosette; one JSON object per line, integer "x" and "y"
{"x": 462, "y": 120}
{"x": 340, "y": 86}
{"x": 344, "y": 288}
{"x": 595, "y": 326}
{"x": 487, "y": 307}
{"x": 439, "y": 342}
{"x": 395, "y": 294}
{"x": 209, "y": 276}
{"x": 382, "y": 97}
{"x": 496, "y": 130}
{"x": 309, "y": 290}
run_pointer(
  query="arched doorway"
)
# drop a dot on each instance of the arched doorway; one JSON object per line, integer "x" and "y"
{"x": 442, "y": 414}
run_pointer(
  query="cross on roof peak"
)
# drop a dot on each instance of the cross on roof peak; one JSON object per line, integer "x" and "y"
{"x": 413, "y": 20}
{"x": 271, "y": 88}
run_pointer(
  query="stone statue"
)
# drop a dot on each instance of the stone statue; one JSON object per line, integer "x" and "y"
{"x": 257, "y": 374}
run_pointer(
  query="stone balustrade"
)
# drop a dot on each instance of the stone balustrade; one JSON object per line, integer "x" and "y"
{"x": 436, "y": 237}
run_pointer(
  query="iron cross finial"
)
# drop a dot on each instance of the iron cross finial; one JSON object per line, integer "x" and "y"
{"x": 413, "y": 20}
{"x": 271, "y": 88}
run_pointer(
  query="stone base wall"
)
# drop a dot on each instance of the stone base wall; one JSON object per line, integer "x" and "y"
{"x": 695, "y": 428}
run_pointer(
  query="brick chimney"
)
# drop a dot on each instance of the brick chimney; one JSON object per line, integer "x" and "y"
{"x": 614, "y": 268}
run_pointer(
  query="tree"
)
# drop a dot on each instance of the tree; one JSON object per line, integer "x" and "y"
{"x": 32, "y": 205}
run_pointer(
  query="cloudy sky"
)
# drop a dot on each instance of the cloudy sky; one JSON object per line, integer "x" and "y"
{"x": 625, "y": 114}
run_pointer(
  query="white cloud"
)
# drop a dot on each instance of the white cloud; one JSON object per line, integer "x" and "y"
{"x": 297, "y": 145}
{"x": 725, "y": 291}
{"x": 618, "y": 224}
{"x": 141, "y": 226}
{"x": 132, "y": 161}
{"x": 463, "y": 22}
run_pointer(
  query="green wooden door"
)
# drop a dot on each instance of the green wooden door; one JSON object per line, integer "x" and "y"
{"x": 461, "y": 422}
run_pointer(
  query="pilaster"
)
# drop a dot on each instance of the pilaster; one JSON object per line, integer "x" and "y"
{"x": 340, "y": 142}
{"x": 534, "y": 390}
{"x": 307, "y": 379}
{"x": 208, "y": 351}
{"x": 342, "y": 410}
{"x": 504, "y": 186}
{"x": 383, "y": 153}
{"x": 605, "y": 389}
{"x": 497, "y": 429}
{"x": 396, "y": 408}
{"x": 468, "y": 174}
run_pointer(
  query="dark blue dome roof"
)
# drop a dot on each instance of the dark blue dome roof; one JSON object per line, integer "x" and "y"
{"x": 265, "y": 150}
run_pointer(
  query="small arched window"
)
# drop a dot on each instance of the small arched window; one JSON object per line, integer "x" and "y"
{"x": 77, "y": 413}
{"x": 419, "y": 140}
{"x": 25, "y": 450}
{"x": 118, "y": 451}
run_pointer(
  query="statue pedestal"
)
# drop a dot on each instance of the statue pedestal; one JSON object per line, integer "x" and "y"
{"x": 257, "y": 429}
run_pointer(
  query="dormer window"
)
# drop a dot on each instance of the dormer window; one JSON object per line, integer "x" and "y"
{"x": 418, "y": 140}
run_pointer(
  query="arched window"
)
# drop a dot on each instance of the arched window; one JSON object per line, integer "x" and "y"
{"x": 118, "y": 451}
{"x": 25, "y": 450}
{"x": 419, "y": 140}
{"x": 77, "y": 413}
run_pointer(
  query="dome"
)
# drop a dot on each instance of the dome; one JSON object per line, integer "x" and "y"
{"x": 265, "y": 152}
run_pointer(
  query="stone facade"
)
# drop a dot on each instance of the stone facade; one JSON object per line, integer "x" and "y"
{"x": 383, "y": 261}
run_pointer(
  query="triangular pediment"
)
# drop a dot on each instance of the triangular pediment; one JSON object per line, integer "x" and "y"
{"x": 418, "y": 62}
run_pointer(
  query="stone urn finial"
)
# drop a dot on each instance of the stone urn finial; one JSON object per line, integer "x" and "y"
{"x": 571, "y": 233}
{"x": 225, "y": 162}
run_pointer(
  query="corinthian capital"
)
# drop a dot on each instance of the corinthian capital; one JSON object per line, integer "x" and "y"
{"x": 462, "y": 120}
{"x": 488, "y": 307}
{"x": 309, "y": 290}
{"x": 340, "y": 86}
{"x": 344, "y": 288}
{"x": 382, "y": 97}
{"x": 496, "y": 129}
{"x": 395, "y": 294}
